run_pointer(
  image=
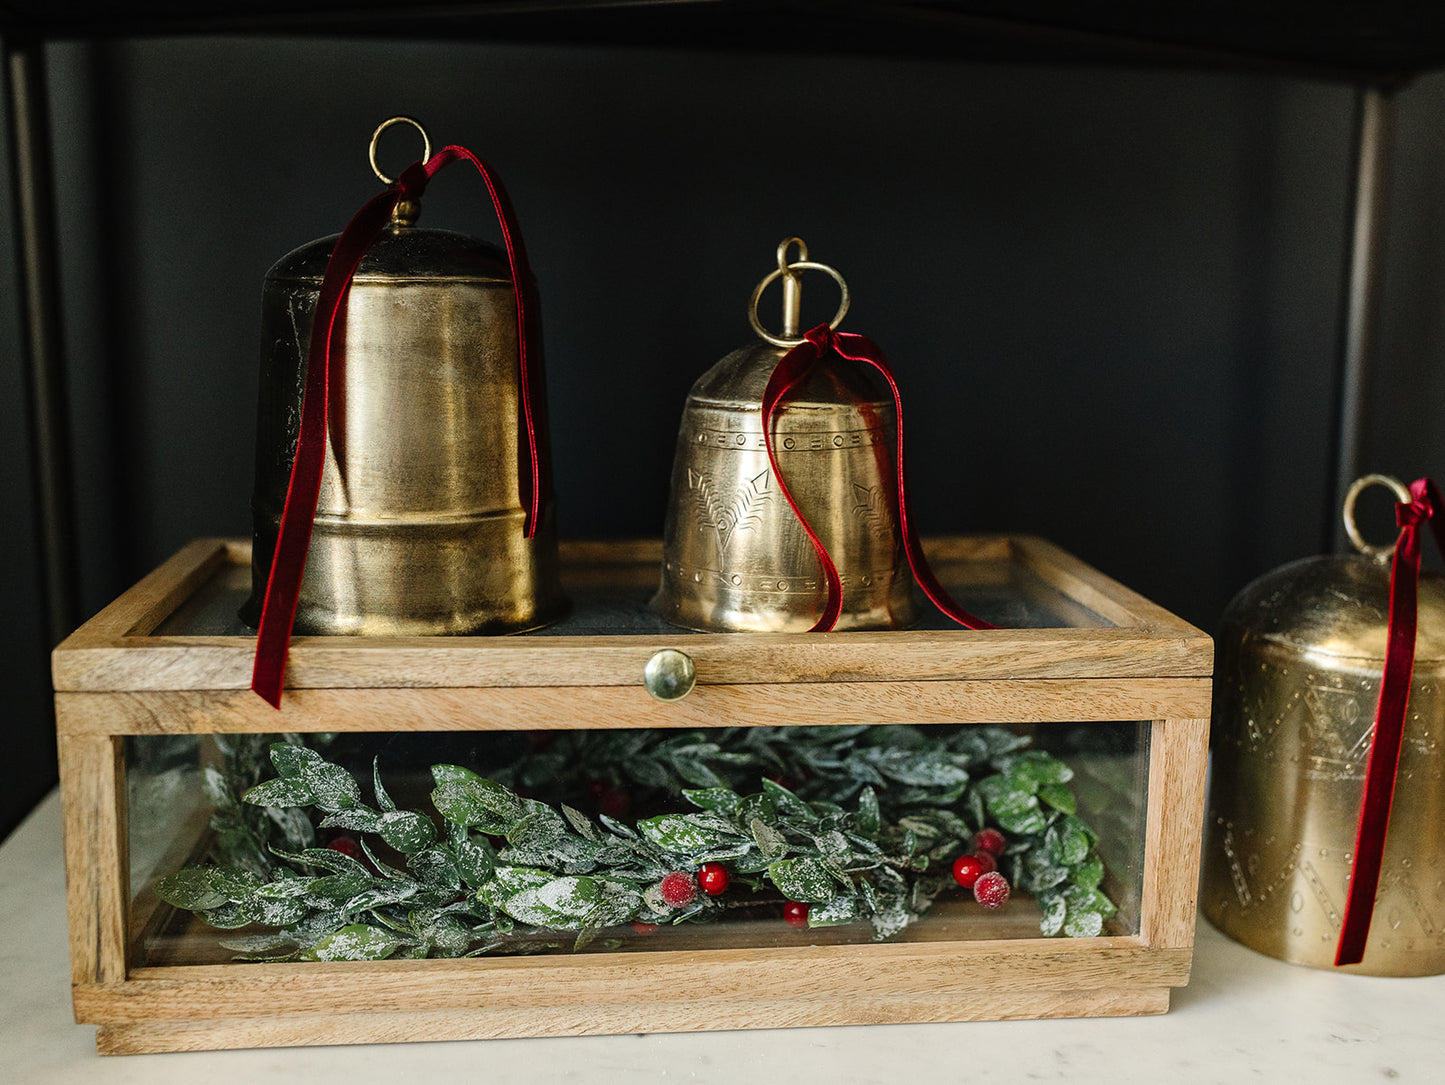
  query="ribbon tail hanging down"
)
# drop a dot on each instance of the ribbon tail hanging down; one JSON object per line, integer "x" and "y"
{"x": 791, "y": 369}
{"x": 288, "y": 561}
{"x": 1383, "y": 763}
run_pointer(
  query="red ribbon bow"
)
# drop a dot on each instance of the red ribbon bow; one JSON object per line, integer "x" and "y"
{"x": 1384, "y": 757}
{"x": 288, "y": 562}
{"x": 792, "y": 367}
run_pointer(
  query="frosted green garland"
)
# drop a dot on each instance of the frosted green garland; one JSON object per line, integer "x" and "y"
{"x": 881, "y": 814}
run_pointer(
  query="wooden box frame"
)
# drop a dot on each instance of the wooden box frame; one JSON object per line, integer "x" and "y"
{"x": 114, "y": 677}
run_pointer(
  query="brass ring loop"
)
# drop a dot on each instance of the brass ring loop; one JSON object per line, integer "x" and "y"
{"x": 382, "y": 127}
{"x": 783, "y": 247}
{"x": 1377, "y": 553}
{"x": 798, "y": 265}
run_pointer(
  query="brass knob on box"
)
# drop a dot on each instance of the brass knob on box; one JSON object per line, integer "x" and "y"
{"x": 669, "y": 675}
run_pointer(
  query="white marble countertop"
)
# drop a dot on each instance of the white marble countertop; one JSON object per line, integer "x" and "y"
{"x": 1244, "y": 1018}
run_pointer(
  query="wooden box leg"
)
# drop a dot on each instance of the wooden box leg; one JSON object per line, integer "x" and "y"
{"x": 92, "y": 768}
{"x": 1177, "y": 753}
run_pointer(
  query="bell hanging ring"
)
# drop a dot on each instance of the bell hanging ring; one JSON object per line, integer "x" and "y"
{"x": 1301, "y": 655}
{"x": 419, "y": 527}
{"x": 735, "y": 557}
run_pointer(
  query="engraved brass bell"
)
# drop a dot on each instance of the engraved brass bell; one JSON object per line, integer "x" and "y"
{"x": 1301, "y": 653}
{"x": 735, "y": 556}
{"x": 419, "y": 528}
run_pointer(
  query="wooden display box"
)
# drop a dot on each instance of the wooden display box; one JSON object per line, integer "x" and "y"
{"x": 168, "y": 658}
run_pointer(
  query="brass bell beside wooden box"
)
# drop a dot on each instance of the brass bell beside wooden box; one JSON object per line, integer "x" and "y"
{"x": 735, "y": 556}
{"x": 1301, "y": 654}
{"x": 419, "y": 525}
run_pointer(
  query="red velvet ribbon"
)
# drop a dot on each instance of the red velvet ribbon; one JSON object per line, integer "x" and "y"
{"x": 1383, "y": 764}
{"x": 288, "y": 562}
{"x": 792, "y": 367}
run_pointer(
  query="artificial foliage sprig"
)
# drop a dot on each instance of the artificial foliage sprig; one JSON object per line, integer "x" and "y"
{"x": 867, "y": 835}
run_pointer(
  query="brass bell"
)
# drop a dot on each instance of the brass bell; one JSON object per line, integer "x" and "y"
{"x": 735, "y": 556}
{"x": 1301, "y": 653}
{"x": 419, "y": 524}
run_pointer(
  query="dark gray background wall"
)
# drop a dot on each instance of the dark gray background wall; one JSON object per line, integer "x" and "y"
{"x": 1111, "y": 295}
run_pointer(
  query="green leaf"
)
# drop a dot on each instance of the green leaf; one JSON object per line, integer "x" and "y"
{"x": 1074, "y": 842}
{"x": 1032, "y": 769}
{"x": 563, "y": 903}
{"x": 292, "y": 760}
{"x": 407, "y": 831}
{"x": 359, "y": 820}
{"x": 720, "y": 800}
{"x": 833, "y": 846}
{"x": 326, "y": 859}
{"x": 696, "y": 772}
{"x": 887, "y": 900}
{"x": 356, "y": 942}
{"x": 581, "y": 823}
{"x": 199, "y": 889}
{"x": 772, "y": 843}
{"x": 785, "y": 801}
{"x": 383, "y": 800}
{"x": 478, "y": 803}
{"x": 1089, "y": 874}
{"x": 680, "y": 833}
{"x": 435, "y": 867}
{"x": 453, "y": 774}
{"x": 1017, "y": 812}
{"x": 925, "y": 768}
{"x": 333, "y": 888}
{"x": 282, "y": 791}
{"x": 841, "y": 909}
{"x": 377, "y": 896}
{"x": 1054, "y": 908}
{"x": 1059, "y": 796}
{"x": 802, "y": 879}
{"x": 1083, "y": 924}
{"x": 474, "y": 862}
{"x": 332, "y": 787}
{"x": 507, "y": 881}
{"x": 867, "y": 819}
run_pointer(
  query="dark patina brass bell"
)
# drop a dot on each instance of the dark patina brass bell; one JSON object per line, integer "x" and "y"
{"x": 419, "y": 524}
{"x": 735, "y": 556}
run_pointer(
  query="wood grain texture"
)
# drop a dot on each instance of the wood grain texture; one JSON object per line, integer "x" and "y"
{"x": 542, "y": 708}
{"x": 1178, "y": 752}
{"x": 693, "y": 1015}
{"x": 114, "y": 651}
{"x": 96, "y": 865}
{"x": 159, "y": 663}
{"x": 917, "y": 969}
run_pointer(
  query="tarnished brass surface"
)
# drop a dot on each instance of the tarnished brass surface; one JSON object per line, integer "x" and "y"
{"x": 1301, "y": 654}
{"x": 419, "y": 525}
{"x": 735, "y": 557}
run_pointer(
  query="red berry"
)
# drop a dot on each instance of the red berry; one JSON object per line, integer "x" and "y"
{"x": 678, "y": 889}
{"x": 988, "y": 861}
{"x": 644, "y": 928}
{"x": 991, "y": 890}
{"x": 966, "y": 870}
{"x": 714, "y": 878}
{"x": 348, "y": 847}
{"x": 795, "y": 914}
{"x": 989, "y": 840}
